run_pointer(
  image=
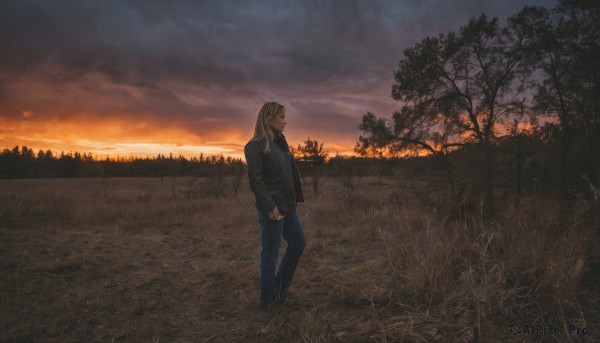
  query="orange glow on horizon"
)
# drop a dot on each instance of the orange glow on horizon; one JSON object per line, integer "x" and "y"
{"x": 111, "y": 138}
{"x": 126, "y": 138}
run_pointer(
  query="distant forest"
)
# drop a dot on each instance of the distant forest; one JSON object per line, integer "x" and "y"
{"x": 25, "y": 163}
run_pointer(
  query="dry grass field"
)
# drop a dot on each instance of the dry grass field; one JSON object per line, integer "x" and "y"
{"x": 151, "y": 260}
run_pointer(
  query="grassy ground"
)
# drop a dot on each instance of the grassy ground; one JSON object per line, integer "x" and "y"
{"x": 151, "y": 260}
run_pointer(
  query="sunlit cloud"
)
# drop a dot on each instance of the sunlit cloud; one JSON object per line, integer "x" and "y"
{"x": 118, "y": 139}
{"x": 27, "y": 114}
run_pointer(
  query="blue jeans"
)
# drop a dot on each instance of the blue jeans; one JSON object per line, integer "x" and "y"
{"x": 274, "y": 286}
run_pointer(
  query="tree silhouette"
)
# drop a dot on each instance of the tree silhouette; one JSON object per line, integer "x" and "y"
{"x": 312, "y": 155}
{"x": 562, "y": 43}
{"x": 455, "y": 89}
{"x": 23, "y": 163}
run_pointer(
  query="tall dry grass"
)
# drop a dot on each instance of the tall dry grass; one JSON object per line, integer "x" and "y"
{"x": 175, "y": 260}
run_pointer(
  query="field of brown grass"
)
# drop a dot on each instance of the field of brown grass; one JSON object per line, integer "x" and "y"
{"x": 151, "y": 260}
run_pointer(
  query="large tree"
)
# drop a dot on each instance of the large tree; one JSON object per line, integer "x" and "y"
{"x": 455, "y": 88}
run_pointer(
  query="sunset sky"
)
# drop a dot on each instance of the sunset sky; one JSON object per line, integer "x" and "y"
{"x": 127, "y": 77}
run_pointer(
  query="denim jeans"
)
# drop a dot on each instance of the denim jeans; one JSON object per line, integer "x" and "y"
{"x": 274, "y": 286}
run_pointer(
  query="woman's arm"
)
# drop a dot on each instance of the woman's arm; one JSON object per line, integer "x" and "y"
{"x": 255, "y": 161}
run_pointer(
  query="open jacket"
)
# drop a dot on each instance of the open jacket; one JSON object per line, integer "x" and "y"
{"x": 274, "y": 178}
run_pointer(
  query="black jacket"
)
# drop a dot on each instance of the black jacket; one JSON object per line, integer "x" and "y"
{"x": 274, "y": 178}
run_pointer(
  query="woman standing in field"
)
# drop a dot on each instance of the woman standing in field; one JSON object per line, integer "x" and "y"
{"x": 276, "y": 185}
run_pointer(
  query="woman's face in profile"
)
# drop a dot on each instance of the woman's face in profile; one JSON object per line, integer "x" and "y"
{"x": 278, "y": 122}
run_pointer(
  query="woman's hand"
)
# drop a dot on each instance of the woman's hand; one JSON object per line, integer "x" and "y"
{"x": 274, "y": 214}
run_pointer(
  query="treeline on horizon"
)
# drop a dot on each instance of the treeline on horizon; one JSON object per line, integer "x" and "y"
{"x": 25, "y": 163}
{"x": 521, "y": 159}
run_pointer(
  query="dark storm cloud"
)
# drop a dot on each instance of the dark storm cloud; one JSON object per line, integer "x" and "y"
{"x": 187, "y": 60}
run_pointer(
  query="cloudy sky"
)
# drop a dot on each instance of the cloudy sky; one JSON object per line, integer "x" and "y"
{"x": 141, "y": 77}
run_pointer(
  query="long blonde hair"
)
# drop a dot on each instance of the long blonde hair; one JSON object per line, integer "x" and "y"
{"x": 263, "y": 130}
